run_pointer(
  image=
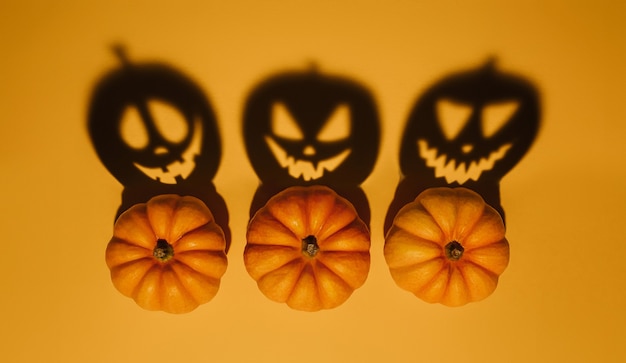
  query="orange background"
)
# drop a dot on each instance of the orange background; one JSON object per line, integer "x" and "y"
{"x": 562, "y": 298}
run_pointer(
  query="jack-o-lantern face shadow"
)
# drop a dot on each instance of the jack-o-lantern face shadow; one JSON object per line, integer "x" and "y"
{"x": 156, "y": 133}
{"x": 307, "y": 128}
{"x": 469, "y": 129}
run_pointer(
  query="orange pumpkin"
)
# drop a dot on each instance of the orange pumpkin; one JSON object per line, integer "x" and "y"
{"x": 447, "y": 246}
{"x": 167, "y": 254}
{"x": 307, "y": 247}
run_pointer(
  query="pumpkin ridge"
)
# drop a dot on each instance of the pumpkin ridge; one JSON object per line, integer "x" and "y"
{"x": 302, "y": 268}
{"x": 493, "y": 275}
{"x": 341, "y": 278}
{"x": 129, "y": 243}
{"x": 117, "y": 239}
{"x": 153, "y": 206}
{"x": 493, "y": 261}
{"x": 419, "y": 265}
{"x": 291, "y": 271}
{"x": 446, "y": 265}
{"x": 185, "y": 200}
{"x": 264, "y": 217}
{"x": 138, "y": 268}
{"x": 217, "y": 254}
{"x": 143, "y": 279}
{"x": 182, "y": 265}
{"x": 328, "y": 213}
{"x": 470, "y": 229}
{"x": 213, "y": 283}
{"x": 262, "y": 245}
{"x": 202, "y": 250}
{"x": 484, "y": 268}
{"x": 275, "y": 218}
{"x": 325, "y": 237}
{"x": 129, "y": 253}
{"x": 291, "y": 247}
{"x": 307, "y": 219}
{"x": 124, "y": 264}
{"x": 318, "y": 286}
{"x": 410, "y": 232}
{"x": 443, "y": 231}
{"x": 416, "y": 204}
{"x": 180, "y": 281}
{"x": 451, "y": 267}
{"x": 295, "y": 259}
{"x": 395, "y": 229}
{"x": 489, "y": 216}
{"x": 178, "y": 238}
{"x": 182, "y": 289}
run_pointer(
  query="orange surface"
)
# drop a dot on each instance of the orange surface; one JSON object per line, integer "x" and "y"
{"x": 561, "y": 298}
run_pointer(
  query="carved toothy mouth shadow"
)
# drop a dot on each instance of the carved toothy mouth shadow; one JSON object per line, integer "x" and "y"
{"x": 455, "y": 171}
{"x": 179, "y": 169}
{"x": 301, "y": 168}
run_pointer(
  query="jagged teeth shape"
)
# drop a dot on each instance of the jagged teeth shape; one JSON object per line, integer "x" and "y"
{"x": 446, "y": 167}
{"x": 302, "y": 168}
{"x": 168, "y": 174}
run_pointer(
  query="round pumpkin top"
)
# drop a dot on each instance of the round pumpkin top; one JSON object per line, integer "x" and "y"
{"x": 167, "y": 254}
{"x": 447, "y": 246}
{"x": 308, "y": 248}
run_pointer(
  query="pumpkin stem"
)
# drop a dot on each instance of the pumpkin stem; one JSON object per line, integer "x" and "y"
{"x": 310, "y": 246}
{"x": 163, "y": 250}
{"x": 120, "y": 53}
{"x": 454, "y": 250}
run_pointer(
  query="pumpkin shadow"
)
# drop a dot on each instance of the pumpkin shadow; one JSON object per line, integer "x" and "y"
{"x": 468, "y": 129}
{"x": 155, "y": 131}
{"x": 304, "y": 128}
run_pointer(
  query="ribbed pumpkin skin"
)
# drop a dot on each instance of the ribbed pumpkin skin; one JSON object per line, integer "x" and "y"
{"x": 419, "y": 247}
{"x": 274, "y": 255}
{"x": 191, "y": 276}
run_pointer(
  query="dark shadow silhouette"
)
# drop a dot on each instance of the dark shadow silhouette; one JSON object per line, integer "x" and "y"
{"x": 468, "y": 129}
{"x": 307, "y": 128}
{"x": 158, "y": 158}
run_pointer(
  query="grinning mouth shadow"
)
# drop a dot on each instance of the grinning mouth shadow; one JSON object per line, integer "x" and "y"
{"x": 454, "y": 171}
{"x": 179, "y": 169}
{"x": 301, "y": 168}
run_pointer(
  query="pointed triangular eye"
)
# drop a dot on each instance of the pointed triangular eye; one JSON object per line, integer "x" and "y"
{"x": 337, "y": 126}
{"x": 496, "y": 115}
{"x": 133, "y": 129}
{"x": 169, "y": 120}
{"x": 452, "y": 116}
{"x": 283, "y": 123}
